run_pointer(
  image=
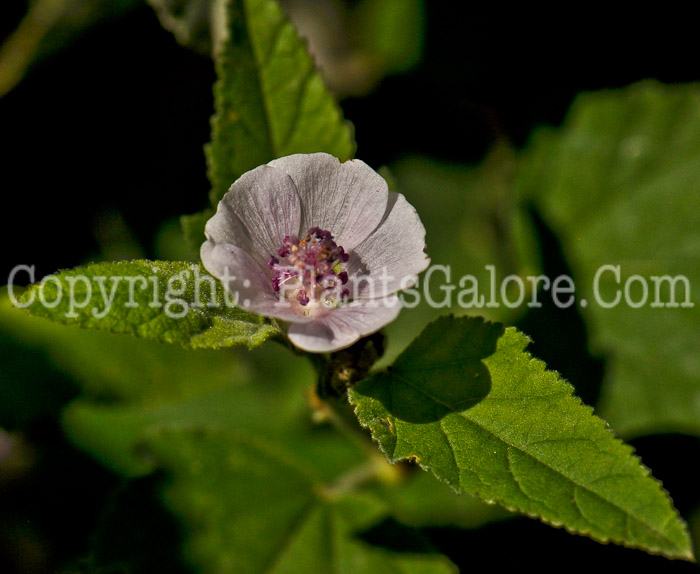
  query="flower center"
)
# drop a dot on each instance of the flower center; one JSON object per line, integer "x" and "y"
{"x": 310, "y": 269}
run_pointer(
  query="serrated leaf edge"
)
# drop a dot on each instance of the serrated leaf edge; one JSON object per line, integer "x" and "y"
{"x": 685, "y": 555}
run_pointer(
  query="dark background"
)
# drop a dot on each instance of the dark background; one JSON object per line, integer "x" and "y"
{"x": 115, "y": 122}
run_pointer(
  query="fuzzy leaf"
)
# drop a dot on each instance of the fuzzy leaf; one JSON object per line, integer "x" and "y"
{"x": 163, "y": 301}
{"x": 270, "y": 100}
{"x": 619, "y": 186}
{"x": 468, "y": 403}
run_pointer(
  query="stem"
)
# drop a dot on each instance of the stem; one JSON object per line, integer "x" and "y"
{"x": 336, "y": 373}
{"x": 339, "y": 412}
{"x": 345, "y": 368}
{"x": 339, "y": 372}
{"x": 350, "y": 481}
{"x": 376, "y": 468}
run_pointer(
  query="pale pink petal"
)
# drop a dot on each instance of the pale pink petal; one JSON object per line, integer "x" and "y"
{"x": 339, "y": 328}
{"x": 260, "y": 209}
{"x": 348, "y": 199}
{"x": 226, "y": 227}
{"x": 249, "y": 283}
{"x": 392, "y": 255}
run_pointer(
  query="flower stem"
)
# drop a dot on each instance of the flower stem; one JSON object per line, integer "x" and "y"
{"x": 336, "y": 374}
{"x": 375, "y": 469}
{"x": 344, "y": 369}
{"x": 339, "y": 412}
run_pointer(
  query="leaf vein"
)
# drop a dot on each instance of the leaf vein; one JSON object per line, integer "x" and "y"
{"x": 286, "y": 540}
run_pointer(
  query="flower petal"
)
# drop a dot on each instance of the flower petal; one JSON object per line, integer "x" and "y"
{"x": 238, "y": 271}
{"x": 343, "y": 326}
{"x": 246, "y": 280}
{"x": 259, "y": 210}
{"x": 225, "y": 227}
{"x": 348, "y": 199}
{"x": 392, "y": 255}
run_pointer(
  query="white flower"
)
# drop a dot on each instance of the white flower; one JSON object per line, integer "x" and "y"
{"x": 319, "y": 244}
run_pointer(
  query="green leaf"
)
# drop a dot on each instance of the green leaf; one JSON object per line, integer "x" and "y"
{"x": 163, "y": 301}
{"x": 243, "y": 396}
{"x": 468, "y": 403}
{"x": 258, "y": 510}
{"x": 111, "y": 368}
{"x": 270, "y": 100}
{"x": 619, "y": 186}
{"x": 392, "y": 32}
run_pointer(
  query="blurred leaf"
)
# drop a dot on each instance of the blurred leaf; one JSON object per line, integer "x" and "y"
{"x": 193, "y": 228}
{"x": 30, "y": 387}
{"x": 250, "y": 400}
{"x": 170, "y": 244}
{"x": 138, "y": 390}
{"x": 164, "y": 301}
{"x": 111, "y": 367}
{"x": 421, "y": 501}
{"x": 466, "y": 402}
{"x": 121, "y": 436}
{"x": 472, "y": 220}
{"x": 195, "y": 23}
{"x": 48, "y": 26}
{"x": 270, "y": 100}
{"x": 391, "y": 32}
{"x": 285, "y": 519}
{"x": 133, "y": 387}
{"x": 619, "y": 185}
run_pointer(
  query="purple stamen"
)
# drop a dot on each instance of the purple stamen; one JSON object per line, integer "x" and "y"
{"x": 310, "y": 268}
